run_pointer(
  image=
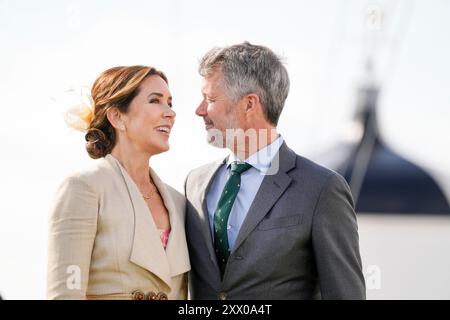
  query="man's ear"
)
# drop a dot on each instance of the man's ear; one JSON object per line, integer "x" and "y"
{"x": 252, "y": 103}
{"x": 115, "y": 117}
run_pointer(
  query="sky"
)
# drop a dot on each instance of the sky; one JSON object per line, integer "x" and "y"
{"x": 48, "y": 47}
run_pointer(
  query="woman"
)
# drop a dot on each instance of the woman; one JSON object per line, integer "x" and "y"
{"x": 116, "y": 230}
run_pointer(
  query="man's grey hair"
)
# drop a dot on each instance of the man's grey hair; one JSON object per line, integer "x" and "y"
{"x": 249, "y": 68}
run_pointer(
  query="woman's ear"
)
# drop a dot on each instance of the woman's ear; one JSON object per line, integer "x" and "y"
{"x": 115, "y": 117}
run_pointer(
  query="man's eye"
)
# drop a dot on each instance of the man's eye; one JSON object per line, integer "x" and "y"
{"x": 154, "y": 101}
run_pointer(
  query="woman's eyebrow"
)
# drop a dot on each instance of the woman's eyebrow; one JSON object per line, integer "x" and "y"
{"x": 158, "y": 94}
{"x": 155, "y": 94}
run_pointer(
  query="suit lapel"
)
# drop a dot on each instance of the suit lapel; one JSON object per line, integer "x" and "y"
{"x": 206, "y": 179}
{"x": 271, "y": 189}
{"x": 147, "y": 251}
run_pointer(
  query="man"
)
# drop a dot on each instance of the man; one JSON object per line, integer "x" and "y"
{"x": 264, "y": 223}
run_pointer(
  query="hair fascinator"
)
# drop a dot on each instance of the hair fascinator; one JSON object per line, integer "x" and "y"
{"x": 80, "y": 112}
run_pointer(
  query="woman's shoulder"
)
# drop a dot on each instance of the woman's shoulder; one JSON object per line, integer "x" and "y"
{"x": 97, "y": 173}
{"x": 78, "y": 194}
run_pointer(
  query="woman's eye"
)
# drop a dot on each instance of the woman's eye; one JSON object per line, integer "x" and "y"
{"x": 159, "y": 101}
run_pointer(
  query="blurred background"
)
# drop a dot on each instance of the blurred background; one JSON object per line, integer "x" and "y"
{"x": 369, "y": 98}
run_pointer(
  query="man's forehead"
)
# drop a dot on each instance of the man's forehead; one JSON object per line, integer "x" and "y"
{"x": 213, "y": 80}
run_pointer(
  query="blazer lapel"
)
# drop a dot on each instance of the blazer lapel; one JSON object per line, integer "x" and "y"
{"x": 272, "y": 187}
{"x": 147, "y": 251}
{"x": 176, "y": 250}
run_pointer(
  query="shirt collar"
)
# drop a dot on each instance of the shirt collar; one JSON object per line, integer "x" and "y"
{"x": 262, "y": 159}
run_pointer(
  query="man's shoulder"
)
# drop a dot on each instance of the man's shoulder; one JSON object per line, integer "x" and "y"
{"x": 309, "y": 170}
{"x": 314, "y": 178}
{"x": 315, "y": 168}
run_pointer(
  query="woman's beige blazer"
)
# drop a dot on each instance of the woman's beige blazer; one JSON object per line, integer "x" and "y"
{"x": 104, "y": 244}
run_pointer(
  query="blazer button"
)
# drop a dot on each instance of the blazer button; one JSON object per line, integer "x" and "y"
{"x": 161, "y": 296}
{"x": 222, "y": 296}
{"x": 151, "y": 296}
{"x": 138, "y": 295}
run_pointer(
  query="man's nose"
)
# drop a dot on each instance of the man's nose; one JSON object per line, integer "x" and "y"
{"x": 201, "y": 109}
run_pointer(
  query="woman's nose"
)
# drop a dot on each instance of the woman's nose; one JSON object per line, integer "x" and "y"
{"x": 169, "y": 113}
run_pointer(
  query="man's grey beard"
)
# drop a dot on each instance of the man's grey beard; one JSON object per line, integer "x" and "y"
{"x": 242, "y": 142}
{"x": 231, "y": 139}
{"x": 219, "y": 139}
{"x": 215, "y": 138}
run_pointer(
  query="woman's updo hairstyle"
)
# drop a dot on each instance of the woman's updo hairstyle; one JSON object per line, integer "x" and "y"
{"x": 114, "y": 88}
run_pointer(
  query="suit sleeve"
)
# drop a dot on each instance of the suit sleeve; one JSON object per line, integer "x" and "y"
{"x": 72, "y": 230}
{"x": 336, "y": 243}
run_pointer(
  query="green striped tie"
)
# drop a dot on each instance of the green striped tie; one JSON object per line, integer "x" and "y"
{"x": 223, "y": 210}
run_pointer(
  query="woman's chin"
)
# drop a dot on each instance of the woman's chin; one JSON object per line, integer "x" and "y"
{"x": 165, "y": 148}
{"x": 160, "y": 148}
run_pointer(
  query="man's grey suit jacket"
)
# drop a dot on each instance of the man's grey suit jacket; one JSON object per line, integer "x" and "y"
{"x": 299, "y": 239}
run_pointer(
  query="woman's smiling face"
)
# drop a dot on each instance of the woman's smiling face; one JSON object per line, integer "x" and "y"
{"x": 150, "y": 117}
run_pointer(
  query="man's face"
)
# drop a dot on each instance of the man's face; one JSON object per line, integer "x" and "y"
{"x": 217, "y": 110}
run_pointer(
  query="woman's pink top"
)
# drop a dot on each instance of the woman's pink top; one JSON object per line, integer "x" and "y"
{"x": 164, "y": 236}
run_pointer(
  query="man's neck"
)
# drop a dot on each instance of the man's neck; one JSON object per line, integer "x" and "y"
{"x": 255, "y": 142}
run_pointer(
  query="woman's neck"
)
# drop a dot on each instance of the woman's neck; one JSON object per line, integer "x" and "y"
{"x": 135, "y": 163}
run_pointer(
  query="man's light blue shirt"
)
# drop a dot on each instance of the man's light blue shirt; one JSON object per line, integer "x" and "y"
{"x": 250, "y": 182}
